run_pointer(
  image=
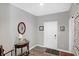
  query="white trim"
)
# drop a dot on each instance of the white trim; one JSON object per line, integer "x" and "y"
{"x": 56, "y": 49}
{"x": 35, "y": 46}
{"x": 44, "y": 46}
{"x": 71, "y": 34}
{"x": 64, "y": 50}
{"x": 32, "y": 47}
{"x": 40, "y": 45}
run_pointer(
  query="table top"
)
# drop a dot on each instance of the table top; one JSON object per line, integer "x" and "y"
{"x": 21, "y": 44}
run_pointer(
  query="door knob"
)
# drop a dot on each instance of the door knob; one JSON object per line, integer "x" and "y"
{"x": 55, "y": 35}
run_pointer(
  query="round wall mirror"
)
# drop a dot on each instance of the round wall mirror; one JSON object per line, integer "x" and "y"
{"x": 21, "y": 28}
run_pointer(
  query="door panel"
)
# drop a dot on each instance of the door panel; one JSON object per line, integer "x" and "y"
{"x": 50, "y": 35}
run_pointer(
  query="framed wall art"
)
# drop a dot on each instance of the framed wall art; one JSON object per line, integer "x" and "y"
{"x": 62, "y": 28}
{"x": 41, "y": 28}
{"x": 21, "y": 28}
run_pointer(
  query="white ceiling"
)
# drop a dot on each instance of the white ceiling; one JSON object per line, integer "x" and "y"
{"x": 47, "y": 8}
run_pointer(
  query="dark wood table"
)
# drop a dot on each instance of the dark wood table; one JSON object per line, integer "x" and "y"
{"x": 1, "y": 50}
{"x": 22, "y": 45}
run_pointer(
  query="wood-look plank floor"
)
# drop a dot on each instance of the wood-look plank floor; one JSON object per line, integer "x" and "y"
{"x": 40, "y": 51}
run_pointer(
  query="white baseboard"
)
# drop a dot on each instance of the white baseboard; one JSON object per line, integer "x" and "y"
{"x": 40, "y": 45}
{"x": 35, "y": 46}
{"x": 32, "y": 47}
{"x": 44, "y": 46}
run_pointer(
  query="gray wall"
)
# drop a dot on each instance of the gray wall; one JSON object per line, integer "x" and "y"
{"x": 10, "y": 16}
{"x": 5, "y": 26}
{"x": 17, "y": 15}
{"x": 63, "y": 36}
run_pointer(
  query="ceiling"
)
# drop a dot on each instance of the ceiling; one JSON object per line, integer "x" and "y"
{"x": 43, "y": 9}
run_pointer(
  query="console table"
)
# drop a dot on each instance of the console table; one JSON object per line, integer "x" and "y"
{"x": 22, "y": 45}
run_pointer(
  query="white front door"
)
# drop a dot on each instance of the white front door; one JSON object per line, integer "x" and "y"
{"x": 50, "y": 34}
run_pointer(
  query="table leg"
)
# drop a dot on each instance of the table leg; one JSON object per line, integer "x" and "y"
{"x": 21, "y": 51}
{"x": 28, "y": 48}
{"x": 15, "y": 51}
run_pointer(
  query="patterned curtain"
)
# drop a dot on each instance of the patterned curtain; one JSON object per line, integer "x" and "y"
{"x": 76, "y": 36}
